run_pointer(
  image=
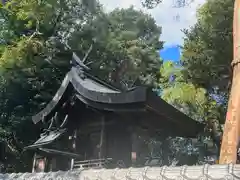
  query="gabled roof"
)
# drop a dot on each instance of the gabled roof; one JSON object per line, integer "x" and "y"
{"x": 94, "y": 94}
{"x": 46, "y": 139}
{"x": 99, "y": 95}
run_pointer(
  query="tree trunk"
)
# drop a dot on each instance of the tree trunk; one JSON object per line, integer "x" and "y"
{"x": 230, "y": 139}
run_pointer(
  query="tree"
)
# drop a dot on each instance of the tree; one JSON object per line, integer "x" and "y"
{"x": 191, "y": 100}
{"x": 208, "y": 47}
{"x": 150, "y": 3}
{"x": 207, "y": 54}
{"x": 176, "y": 3}
{"x": 34, "y": 59}
{"x": 183, "y": 95}
{"x": 32, "y": 66}
{"x": 199, "y": 86}
{"x": 125, "y": 47}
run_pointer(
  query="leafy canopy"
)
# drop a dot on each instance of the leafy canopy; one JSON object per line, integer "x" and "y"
{"x": 125, "y": 47}
{"x": 34, "y": 59}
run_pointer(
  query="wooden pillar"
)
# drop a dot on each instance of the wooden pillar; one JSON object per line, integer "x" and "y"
{"x": 134, "y": 153}
{"x": 231, "y": 132}
{"x": 102, "y": 139}
{"x": 52, "y": 164}
{"x": 74, "y": 137}
{"x": 34, "y": 163}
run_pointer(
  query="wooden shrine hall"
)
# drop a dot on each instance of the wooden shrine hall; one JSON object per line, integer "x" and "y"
{"x": 89, "y": 123}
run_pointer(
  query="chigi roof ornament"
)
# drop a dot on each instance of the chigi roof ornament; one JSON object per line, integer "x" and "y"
{"x": 76, "y": 61}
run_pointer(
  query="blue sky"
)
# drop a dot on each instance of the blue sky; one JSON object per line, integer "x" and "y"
{"x": 170, "y": 53}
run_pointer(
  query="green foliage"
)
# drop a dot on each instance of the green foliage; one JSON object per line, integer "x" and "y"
{"x": 19, "y": 54}
{"x": 207, "y": 55}
{"x": 33, "y": 59}
{"x": 32, "y": 12}
{"x": 33, "y": 62}
{"x": 208, "y": 47}
{"x": 183, "y": 95}
{"x": 191, "y": 99}
{"x": 125, "y": 44}
{"x": 150, "y": 3}
{"x": 201, "y": 84}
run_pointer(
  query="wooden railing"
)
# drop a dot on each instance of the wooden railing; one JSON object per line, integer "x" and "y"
{"x": 93, "y": 163}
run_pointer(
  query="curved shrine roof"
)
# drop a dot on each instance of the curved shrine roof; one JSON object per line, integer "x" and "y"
{"x": 99, "y": 95}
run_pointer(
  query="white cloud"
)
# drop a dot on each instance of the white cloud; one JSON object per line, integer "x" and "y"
{"x": 165, "y": 15}
{"x": 110, "y": 4}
